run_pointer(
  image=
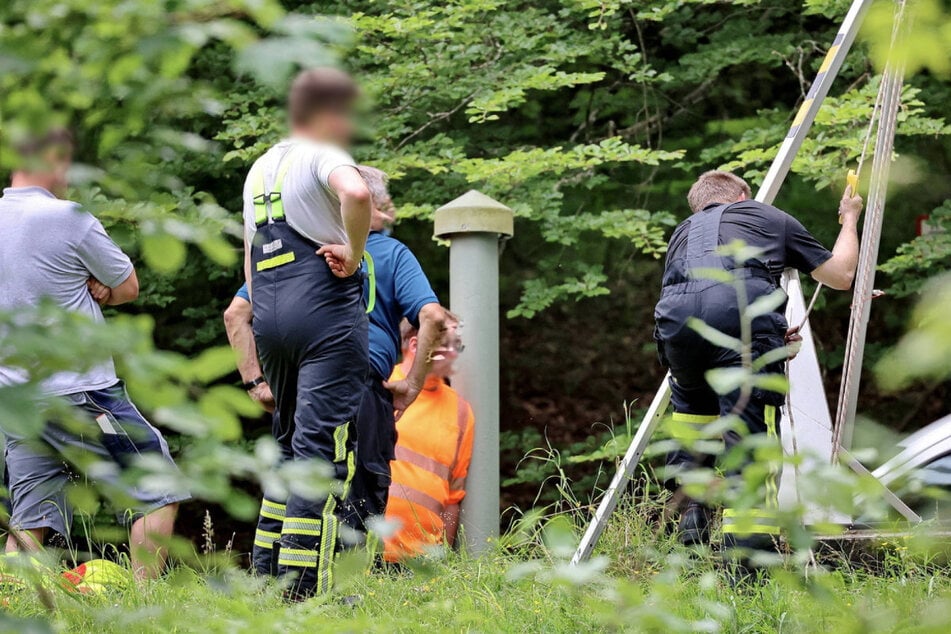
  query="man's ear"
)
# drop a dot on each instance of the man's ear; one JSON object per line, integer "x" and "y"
{"x": 742, "y": 197}
{"x": 413, "y": 345}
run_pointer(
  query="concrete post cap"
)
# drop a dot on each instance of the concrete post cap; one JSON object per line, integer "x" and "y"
{"x": 474, "y": 212}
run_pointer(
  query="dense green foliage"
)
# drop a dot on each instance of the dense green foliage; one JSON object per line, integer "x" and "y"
{"x": 590, "y": 119}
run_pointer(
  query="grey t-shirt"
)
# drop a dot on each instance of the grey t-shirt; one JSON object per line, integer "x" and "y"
{"x": 49, "y": 248}
{"x": 310, "y": 206}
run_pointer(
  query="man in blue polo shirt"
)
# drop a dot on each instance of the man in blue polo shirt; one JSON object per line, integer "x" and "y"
{"x": 401, "y": 290}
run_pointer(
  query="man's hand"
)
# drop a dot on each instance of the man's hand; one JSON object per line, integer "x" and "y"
{"x": 793, "y": 342}
{"x": 99, "y": 291}
{"x": 262, "y": 394}
{"x": 850, "y": 207}
{"x": 341, "y": 259}
{"x": 404, "y": 393}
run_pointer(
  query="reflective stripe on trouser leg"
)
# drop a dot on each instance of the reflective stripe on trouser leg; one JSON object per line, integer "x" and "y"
{"x": 309, "y": 544}
{"x": 761, "y": 521}
{"x": 689, "y": 427}
{"x": 270, "y": 522}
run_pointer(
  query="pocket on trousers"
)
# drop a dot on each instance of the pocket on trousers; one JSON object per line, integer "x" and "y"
{"x": 115, "y": 439}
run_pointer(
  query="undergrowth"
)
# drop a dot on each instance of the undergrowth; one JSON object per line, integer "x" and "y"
{"x": 640, "y": 580}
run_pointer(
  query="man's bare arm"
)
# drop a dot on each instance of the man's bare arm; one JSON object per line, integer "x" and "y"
{"x": 838, "y": 271}
{"x": 432, "y": 325}
{"x": 355, "y": 207}
{"x": 128, "y": 291}
{"x": 241, "y": 337}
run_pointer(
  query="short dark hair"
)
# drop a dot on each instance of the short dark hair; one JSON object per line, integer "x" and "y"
{"x": 34, "y": 146}
{"x": 716, "y": 186}
{"x": 318, "y": 90}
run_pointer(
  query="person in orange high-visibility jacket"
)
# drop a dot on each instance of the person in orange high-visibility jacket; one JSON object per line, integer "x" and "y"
{"x": 433, "y": 451}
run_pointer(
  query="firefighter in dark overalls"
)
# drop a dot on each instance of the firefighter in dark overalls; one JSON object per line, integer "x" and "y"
{"x": 307, "y": 214}
{"x": 722, "y": 214}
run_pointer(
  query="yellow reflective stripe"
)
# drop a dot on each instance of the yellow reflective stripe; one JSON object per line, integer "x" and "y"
{"x": 265, "y": 539}
{"x": 272, "y": 516}
{"x": 259, "y": 196}
{"x": 274, "y": 507}
{"x": 273, "y": 510}
{"x": 328, "y": 547}
{"x": 277, "y": 260}
{"x": 340, "y": 442}
{"x": 696, "y": 419}
{"x": 351, "y": 471}
{"x": 769, "y": 414}
{"x": 297, "y": 558}
{"x": 301, "y": 526}
{"x": 689, "y": 427}
{"x": 771, "y": 484}
{"x": 269, "y": 205}
{"x": 371, "y": 281}
{"x": 750, "y": 522}
{"x": 277, "y": 204}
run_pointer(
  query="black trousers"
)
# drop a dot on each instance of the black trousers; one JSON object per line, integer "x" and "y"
{"x": 311, "y": 332}
{"x": 376, "y": 446}
{"x": 696, "y": 404}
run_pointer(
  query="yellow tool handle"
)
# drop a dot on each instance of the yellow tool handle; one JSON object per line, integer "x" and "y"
{"x": 852, "y": 182}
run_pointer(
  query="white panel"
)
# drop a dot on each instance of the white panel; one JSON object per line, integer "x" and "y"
{"x": 806, "y": 424}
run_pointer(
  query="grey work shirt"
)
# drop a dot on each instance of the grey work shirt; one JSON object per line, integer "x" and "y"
{"x": 311, "y": 208}
{"x": 49, "y": 248}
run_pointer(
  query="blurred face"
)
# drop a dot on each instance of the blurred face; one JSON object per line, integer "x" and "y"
{"x": 332, "y": 126}
{"x": 446, "y": 353}
{"x": 384, "y": 214}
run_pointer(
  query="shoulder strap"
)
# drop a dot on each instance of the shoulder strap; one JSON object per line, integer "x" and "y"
{"x": 268, "y": 204}
{"x": 703, "y": 236}
{"x": 371, "y": 281}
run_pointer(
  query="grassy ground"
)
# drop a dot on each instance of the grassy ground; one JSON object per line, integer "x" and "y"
{"x": 644, "y": 583}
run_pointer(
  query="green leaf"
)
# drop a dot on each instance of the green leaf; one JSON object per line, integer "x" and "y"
{"x": 726, "y": 380}
{"x": 714, "y": 336}
{"x": 210, "y": 365}
{"x": 772, "y": 356}
{"x": 766, "y": 304}
{"x": 163, "y": 252}
{"x": 771, "y": 383}
{"x": 716, "y": 275}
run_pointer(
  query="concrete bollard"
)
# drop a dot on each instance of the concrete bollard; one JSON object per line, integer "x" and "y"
{"x": 474, "y": 224}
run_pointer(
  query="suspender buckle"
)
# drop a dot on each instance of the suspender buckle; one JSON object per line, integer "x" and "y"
{"x": 265, "y": 199}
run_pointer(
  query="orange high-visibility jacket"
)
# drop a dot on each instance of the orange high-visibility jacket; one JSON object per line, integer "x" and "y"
{"x": 433, "y": 451}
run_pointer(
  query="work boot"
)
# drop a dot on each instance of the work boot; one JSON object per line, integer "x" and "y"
{"x": 694, "y": 528}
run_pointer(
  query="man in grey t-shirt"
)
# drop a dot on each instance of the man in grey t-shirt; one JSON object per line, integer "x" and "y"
{"x": 52, "y": 250}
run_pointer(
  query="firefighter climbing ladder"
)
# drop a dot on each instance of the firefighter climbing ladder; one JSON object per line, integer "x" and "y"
{"x": 807, "y": 425}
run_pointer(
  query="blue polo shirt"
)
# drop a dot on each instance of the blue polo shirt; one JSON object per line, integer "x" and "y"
{"x": 243, "y": 293}
{"x": 402, "y": 289}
